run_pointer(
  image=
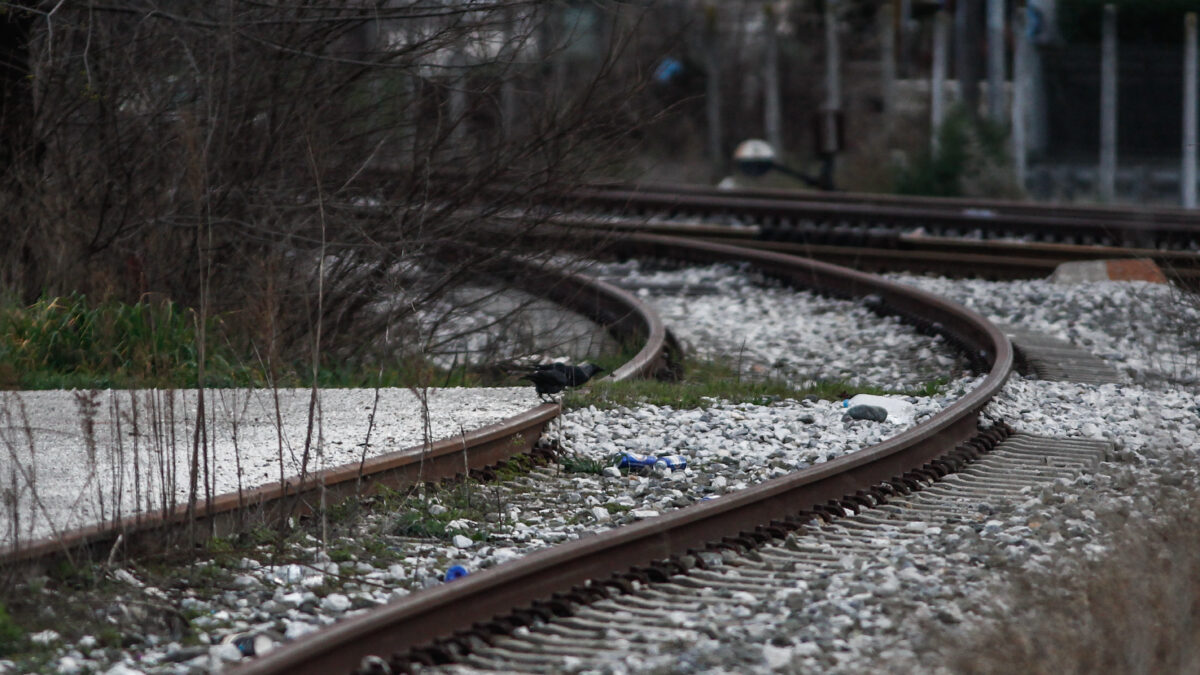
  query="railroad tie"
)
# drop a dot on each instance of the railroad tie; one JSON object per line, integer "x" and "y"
{"x": 1052, "y": 359}
{"x": 689, "y": 606}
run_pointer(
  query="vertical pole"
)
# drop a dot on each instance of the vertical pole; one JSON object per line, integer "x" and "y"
{"x": 1020, "y": 98}
{"x": 960, "y": 48}
{"x": 887, "y": 47}
{"x": 712, "y": 92}
{"x": 508, "y": 90}
{"x": 968, "y": 36}
{"x": 937, "y": 81}
{"x": 772, "y": 109}
{"x": 1187, "y": 175}
{"x": 906, "y": 40}
{"x": 1106, "y": 188}
{"x": 995, "y": 65}
{"x": 831, "y": 118}
{"x": 833, "y": 66}
{"x": 458, "y": 101}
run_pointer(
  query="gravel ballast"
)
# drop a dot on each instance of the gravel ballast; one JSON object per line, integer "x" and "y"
{"x": 727, "y": 447}
{"x": 784, "y": 333}
{"x": 912, "y": 606}
{"x": 947, "y": 584}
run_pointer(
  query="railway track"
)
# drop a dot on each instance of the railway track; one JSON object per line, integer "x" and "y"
{"x": 626, "y": 317}
{"x": 445, "y": 622}
{"x": 992, "y": 218}
{"x": 559, "y": 609}
{"x": 885, "y": 233}
{"x": 661, "y": 618}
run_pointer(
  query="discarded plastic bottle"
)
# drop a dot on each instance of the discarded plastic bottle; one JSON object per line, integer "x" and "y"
{"x": 456, "y": 572}
{"x": 674, "y": 462}
{"x": 898, "y": 411}
{"x": 631, "y": 460}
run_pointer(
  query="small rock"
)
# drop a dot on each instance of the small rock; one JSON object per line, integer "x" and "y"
{"x": 335, "y": 602}
{"x": 226, "y": 652}
{"x": 601, "y": 514}
{"x": 866, "y": 412}
{"x": 292, "y": 599}
{"x": 46, "y": 637}
{"x": 185, "y": 654}
{"x": 462, "y": 541}
{"x": 296, "y": 629}
{"x": 612, "y": 472}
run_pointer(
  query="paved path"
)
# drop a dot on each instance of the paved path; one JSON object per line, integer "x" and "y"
{"x": 70, "y": 459}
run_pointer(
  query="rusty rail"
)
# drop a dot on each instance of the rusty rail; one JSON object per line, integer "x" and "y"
{"x": 978, "y": 208}
{"x": 439, "y": 614}
{"x": 866, "y": 212}
{"x": 621, "y": 312}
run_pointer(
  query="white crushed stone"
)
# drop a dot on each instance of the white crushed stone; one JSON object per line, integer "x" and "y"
{"x": 1145, "y": 330}
{"x": 788, "y": 334}
{"x": 64, "y": 482}
{"x": 727, "y": 446}
{"x": 909, "y": 605}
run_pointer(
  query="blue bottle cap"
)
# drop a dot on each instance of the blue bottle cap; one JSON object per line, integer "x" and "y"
{"x": 456, "y": 572}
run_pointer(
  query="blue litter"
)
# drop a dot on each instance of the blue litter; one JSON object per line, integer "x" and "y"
{"x": 667, "y": 70}
{"x": 631, "y": 460}
{"x": 456, "y": 572}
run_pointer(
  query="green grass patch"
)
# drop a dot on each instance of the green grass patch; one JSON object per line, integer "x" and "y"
{"x": 72, "y": 342}
{"x": 62, "y": 342}
{"x": 12, "y": 637}
{"x": 575, "y": 463}
{"x": 708, "y": 382}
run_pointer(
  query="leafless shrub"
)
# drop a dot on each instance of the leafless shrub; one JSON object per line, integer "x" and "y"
{"x": 322, "y": 174}
{"x": 238, "y": 156}
{"x": 1134, "y": 611}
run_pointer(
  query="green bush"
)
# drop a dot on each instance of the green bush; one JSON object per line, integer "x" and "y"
{"x": 971, "y": 160}
{"x": 12, "y": 638}
{"x": 67, "y": 341}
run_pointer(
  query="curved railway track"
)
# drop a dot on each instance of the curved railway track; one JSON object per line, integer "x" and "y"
{"x": 722, "y": 585}
{"x": 626, "y": 317}
{"x": 448, "y": 621}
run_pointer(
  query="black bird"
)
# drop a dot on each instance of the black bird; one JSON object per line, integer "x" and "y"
{"x": 547, "y": 381}
{"x": 576, "y": 375}
{"x": 551, "y": 378}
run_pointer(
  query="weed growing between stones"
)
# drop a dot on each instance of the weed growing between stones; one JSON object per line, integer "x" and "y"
{"x": 707, "y": 382}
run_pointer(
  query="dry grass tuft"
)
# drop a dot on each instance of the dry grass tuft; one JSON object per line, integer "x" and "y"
{"x": 1134, "y": 611}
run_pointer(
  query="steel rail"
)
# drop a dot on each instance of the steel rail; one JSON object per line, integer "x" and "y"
{"x": 892, "y": 251}
{"x": 626, "y": 317}
{"x": 1110, "y": 213}
{"x": 440, "y": 613}
{"x": 1040, "y": 223}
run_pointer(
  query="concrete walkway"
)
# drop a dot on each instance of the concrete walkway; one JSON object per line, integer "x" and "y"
{"x": 70, "y": 459}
